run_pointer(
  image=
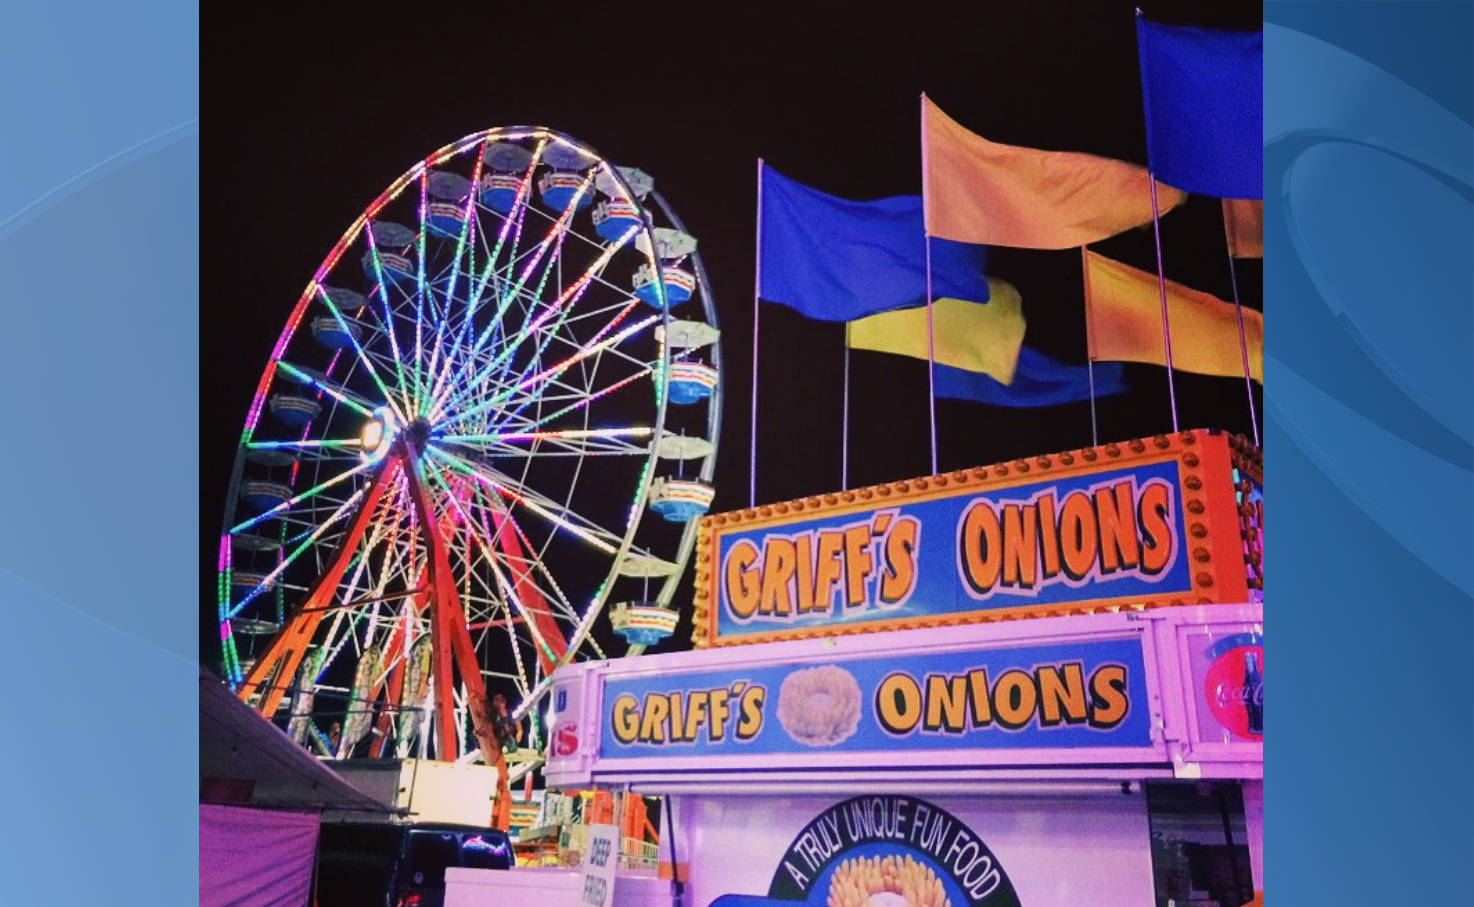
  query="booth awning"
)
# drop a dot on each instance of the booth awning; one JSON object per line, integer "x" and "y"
{"x": 242, "y": 752}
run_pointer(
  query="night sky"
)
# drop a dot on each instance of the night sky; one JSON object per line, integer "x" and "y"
{"x": 314, "y": 115}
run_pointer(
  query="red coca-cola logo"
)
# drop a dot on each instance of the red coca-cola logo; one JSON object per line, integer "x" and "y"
{"x": 565, "y": 739}
{"x": 1234, "y": 689}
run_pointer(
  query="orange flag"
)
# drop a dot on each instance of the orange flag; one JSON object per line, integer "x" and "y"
{"x": 978, "y": 191}
{"x": 1243, "y": 221}
{"x": 1125, "y": 323}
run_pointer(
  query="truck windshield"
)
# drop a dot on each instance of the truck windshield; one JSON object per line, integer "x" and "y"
{"x": 480, "y": 851}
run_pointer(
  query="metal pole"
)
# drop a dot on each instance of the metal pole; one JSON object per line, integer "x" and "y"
{"x": 1157, "y": 231}
{"x": 756, "y": 291}
{"x": 844, "y": 442}
{"x": 1238, "y": 308}
{"x": 931, "y": 352}
{"x": 1162, "y": 291}
{"x": 1089, "y": 348}
{"x": 931, "y": 361}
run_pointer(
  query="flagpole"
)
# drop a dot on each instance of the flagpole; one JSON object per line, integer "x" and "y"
{"x": 1146, "y": 106}
{"x": 931, "y": 345}
{"x": 1162, "y": 290}
{"x": 1089, "y": 349}
{"x": 844, "y": 442}
{"x": 1231, "y": 239}
{"x": 931, "y": 360}
{"x": 757, "y": 284}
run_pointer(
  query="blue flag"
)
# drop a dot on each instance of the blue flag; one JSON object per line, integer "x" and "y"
{"x": 836, "y": 260}
{"x": 1038, "y": 381}
{"x": 1204, "y": 97}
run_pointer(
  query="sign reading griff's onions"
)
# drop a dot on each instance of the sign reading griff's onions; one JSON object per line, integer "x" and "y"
{"x": 1162, "y": 521}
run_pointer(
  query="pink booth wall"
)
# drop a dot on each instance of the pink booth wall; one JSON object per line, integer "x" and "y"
{"x": 256, "y": 857}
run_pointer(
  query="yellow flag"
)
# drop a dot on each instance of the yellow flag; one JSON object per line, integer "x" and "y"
{"x": 977, "y": 191}
{"x": 1125, "y": 314}
{"x": 979, "y": 337}
{"x": 1243, "y": 221}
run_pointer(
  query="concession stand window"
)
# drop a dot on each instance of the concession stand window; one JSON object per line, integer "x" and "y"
{"x": 1200, "y": 854}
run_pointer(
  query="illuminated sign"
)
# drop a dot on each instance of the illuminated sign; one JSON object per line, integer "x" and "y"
{"x": 1153, "y": 522}
{"x": 1083, "y": 694}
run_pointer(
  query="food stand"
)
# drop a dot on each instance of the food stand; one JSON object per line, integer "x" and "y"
{"x": 1037, "y": 684}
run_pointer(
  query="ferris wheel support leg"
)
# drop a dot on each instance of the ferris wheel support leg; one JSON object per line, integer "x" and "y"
{"x": 451, "y": 642}
{"x": 451, "y": 646}
{"x": 393, "y": 689}
{"x": 556, "y": 647}
{"x": 394, "y": 700}
{"x": 290, "y": 644}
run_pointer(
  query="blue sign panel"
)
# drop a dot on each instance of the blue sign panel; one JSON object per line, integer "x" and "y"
{"x": 1112, "y": 534}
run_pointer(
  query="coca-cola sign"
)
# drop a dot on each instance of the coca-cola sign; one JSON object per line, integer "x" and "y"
{"x": 1234, "y": 687}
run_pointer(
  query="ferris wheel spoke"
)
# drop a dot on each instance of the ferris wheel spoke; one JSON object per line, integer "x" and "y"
{"x": 297, "y": 499}
{"x": 270, "y": 579}
{"x": 450, "y": 276}
{"x": 571, "y": 441}
{"x": 512, "y": 222}
{"x": 468, "y": 229}
{"x": 561, "y": 516}
{"x": 421, "y": 290}
{"x": 584, "y": 403}
{"x": 560, "y": 333}
{"x": 488, "y": 549}
{"x": 502, "y": 359}
{"x": 510, "y": 413}
{"x": 563, "y": 305}
{"x": 303, "y": 445}
{"x": 552, "y": 240}
{"x": 531, "y": 560}
{"x": 358, "y": 349}
{"x": 558, "y": 369}
{"x": 571, "y": 293}
{"x": 388, "y": 315}
{"x": 337, "y": 394}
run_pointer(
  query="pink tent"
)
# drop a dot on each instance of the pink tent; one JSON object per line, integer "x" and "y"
{"x": 256, "y": 857}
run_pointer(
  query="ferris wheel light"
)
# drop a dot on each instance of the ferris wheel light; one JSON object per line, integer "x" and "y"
{"x": 373, "y": 435}
{"x": 377, "y": 434}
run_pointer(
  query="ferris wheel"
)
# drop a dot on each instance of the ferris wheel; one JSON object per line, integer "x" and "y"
{"x": 490, "y": 420}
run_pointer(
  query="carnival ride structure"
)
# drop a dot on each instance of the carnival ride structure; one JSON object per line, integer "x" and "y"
{"x": 444, "y": 475}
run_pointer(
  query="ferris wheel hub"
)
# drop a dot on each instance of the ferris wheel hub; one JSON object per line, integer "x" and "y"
{"x": 418, "y": 433}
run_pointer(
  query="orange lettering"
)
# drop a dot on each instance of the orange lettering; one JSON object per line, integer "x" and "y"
{"x": 1077, "y": 534}
{"x": 805, "y": 573}
{"x": 1020, "y": 546}
{"x": 1117, "y": 520}
{"x": 741, "y": 580}
{"x": 829, "y": 569}
{"x": 982, "y": 549}
{"x": 859, "y": 564}
{"x": 778, "y": 577}
{"x": 1048, "y": 535}
{"x": 900, "y": 561}
{"x": 1156, "y": 528}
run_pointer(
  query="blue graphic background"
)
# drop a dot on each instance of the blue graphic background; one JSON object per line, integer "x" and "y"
{"x": 99, "y": 236}
{"x": 939, "y": 587}
{"x": 1134, "y": 730}
{"x": 1368, "y": 380}
{"x": 101, "y": 118}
